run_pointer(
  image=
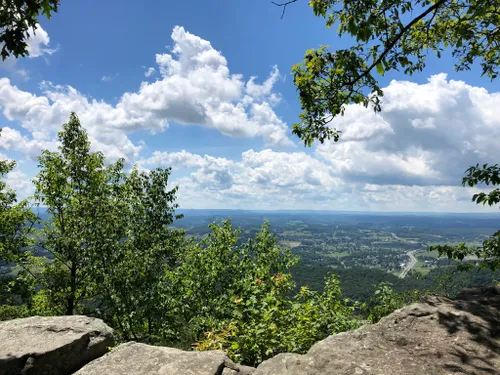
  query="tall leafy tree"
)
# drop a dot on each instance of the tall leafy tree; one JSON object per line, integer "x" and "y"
{"x": 129, "y": 276}
{"x": 73, "y": 184}
{"x": 240, "y": 295}
{"x": 17, "y": 18}
{"x": 109, "y": 236}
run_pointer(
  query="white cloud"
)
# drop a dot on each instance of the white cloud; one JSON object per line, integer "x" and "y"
{"x": 20, "y": 183}
{"x": 278, "y": 180}
{"x": 259, "y": 91}
{"x": 150, "y": 71}
{"x": 410, "y": 157}
{"x": 38, "y": 42}
{"x": 196, "y": 88}
{"x": 425, "y": 135}
{"x": 13, "y": 140}
{"x": 110, "y": 77}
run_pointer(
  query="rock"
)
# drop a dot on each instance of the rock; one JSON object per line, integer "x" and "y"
{"x": 232, "y": 368}
{"x": 51, "y": 345}
{"x": 138, "y": 359}
{"x": 436, "y": 336}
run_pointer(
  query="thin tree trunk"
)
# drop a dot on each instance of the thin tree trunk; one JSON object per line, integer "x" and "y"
{"x": 72, "y": 295}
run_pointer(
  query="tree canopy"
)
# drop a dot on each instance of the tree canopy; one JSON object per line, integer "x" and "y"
{"x": 17, "y": 18}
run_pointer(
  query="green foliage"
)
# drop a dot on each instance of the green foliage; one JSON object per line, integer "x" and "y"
{"x": 389, "y": 35}
{"x": 249, "y": 311}
{"x": 489, "y": 251}
{"x": 75, "y": 187}
{"x": 17, "y": 17}
{"x": 107, "y": 238}
{"x": 386, "y": 300}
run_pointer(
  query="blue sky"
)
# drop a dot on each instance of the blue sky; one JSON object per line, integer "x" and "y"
{"x": 165, "y": 83}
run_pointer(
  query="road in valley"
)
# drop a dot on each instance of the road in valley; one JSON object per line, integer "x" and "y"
{"x": 413, "y": 261}
{"x": 411, "y": 254}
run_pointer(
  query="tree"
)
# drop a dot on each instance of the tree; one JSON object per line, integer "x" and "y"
{"x": 17, "y": 18}
{"x": 108, "y": 237}
{"x": 388, "y": 35}
{"x": 129, "y": 275}
{"x": 240, "y": 296}
{"x": 74, "y": 185}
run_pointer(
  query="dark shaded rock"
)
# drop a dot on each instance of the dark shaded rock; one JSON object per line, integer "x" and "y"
{"x": 140, "y": 359}
{"x": 436, "y": 336}
{"x": 51, "y": 345}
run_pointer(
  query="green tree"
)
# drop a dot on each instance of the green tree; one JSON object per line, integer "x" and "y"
{"x": 238, "y": 297}
{"x": 388, "y": 35}
{"x": 75, "y": 186}
{"x": 108, "y": 236}
{"x": 17, "y": 17}
{"x": 129, "y": 274}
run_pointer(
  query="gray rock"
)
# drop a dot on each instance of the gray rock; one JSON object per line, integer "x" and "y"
{"x": 232, "y": 368}
{"x": 437, "y": 336}
{"x": 138, "y": 359}
{"x": 51, "y": 345}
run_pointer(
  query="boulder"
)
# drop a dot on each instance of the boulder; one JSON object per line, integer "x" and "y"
{"x": 436, "y": 336}
{"x": 141, "y": 359}
{"x": 51, "y": 345}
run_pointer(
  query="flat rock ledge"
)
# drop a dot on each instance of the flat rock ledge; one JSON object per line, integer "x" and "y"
{"x": 140, "y": 359}
{"x": 51, "y": 345}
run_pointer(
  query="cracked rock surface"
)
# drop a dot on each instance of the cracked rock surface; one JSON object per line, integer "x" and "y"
{"x": 51, "y": 345}
{"x": 437, "y": 336}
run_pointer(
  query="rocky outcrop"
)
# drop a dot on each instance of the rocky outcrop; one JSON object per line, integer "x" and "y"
{"x": 140, "y": 359}
{"x": 437, "y": 336}
{"x": 51, "y": 345}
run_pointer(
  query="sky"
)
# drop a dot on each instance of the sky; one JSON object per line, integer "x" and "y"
{"x": 205, "y": 88}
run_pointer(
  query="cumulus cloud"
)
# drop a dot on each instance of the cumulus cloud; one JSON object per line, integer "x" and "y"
{"x": 279, "y": 180}
{"x": 38, "y": 43}
{"x": 13, "y": 140}
{"x": 410, "y": 157}
{"x": 19, "y": 182}
{"x": 425, "y": 135}
{"x": 195, "y": 88}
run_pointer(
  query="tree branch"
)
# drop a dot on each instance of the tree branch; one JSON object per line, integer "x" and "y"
{"x": 284, "y": 5}
{"x": 396, "y": 39}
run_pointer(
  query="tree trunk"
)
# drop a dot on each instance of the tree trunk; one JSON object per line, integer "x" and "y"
{"x": 71, "y": 298}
